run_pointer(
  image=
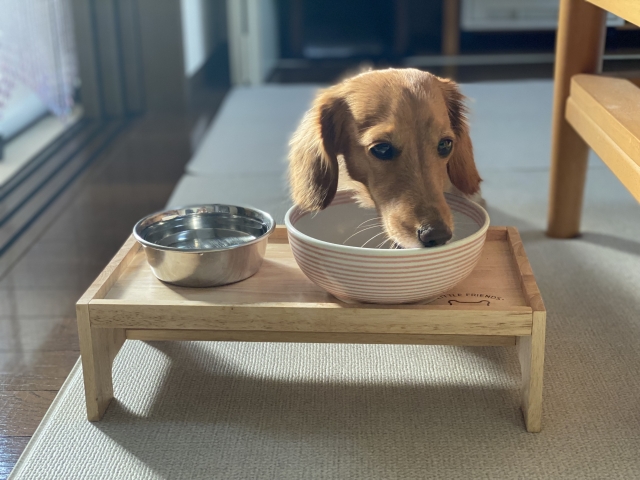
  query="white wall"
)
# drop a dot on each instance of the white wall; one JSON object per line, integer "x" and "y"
{"x": 198, "y": 33}
{"x": 253, "y": 40}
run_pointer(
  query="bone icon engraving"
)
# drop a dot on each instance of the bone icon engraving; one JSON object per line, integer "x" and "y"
{"x": 477, "y": 302}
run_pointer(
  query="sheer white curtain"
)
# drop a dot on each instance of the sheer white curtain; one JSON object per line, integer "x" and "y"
{"x": 37, "y": 51}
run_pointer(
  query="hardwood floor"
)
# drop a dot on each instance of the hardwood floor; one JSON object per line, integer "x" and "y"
{"x": 38, "y": 336}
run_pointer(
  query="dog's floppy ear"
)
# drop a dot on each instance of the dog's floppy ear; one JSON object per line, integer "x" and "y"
{"x": 461, "y": 167}
{"x": 314, "y": 150}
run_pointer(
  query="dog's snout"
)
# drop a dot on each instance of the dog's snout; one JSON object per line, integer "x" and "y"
{"x": 434, "y": 235}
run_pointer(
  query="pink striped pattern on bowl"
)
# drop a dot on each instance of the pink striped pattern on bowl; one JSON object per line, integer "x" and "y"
{"x": 371, "y": 275}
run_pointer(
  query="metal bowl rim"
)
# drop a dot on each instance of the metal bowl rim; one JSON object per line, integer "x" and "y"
{"x": 146, "y": 243}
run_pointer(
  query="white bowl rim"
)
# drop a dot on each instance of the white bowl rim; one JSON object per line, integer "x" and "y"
{"x": 389, "y": 252}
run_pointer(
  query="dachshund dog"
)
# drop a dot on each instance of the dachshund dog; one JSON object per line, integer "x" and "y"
{"x": 399, "y": 139}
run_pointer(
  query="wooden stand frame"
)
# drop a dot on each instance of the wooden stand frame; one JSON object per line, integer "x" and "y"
{"x": 499, "y": 304}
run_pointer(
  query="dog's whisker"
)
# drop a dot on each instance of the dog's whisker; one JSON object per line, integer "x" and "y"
{"x": 376, "y": 235}
{"x": 370, "y": 226}
{"x": 381, "y": 245}
{"x": 360, "y": 231}
{"x": 371, "y": 220}
{"x": 367, "y": 221}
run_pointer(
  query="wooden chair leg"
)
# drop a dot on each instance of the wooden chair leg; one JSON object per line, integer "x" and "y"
{"x": 98, "y": 348}
{"x": 579, "y": 48}
{"x": 531, "y": 355}
{"x": 451, "y": 27}
{"x": 450, "y": 34}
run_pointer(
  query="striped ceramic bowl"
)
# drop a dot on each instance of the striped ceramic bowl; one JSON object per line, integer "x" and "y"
{"x": 343, "y": 249}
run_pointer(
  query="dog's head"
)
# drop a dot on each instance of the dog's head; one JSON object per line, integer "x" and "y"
{"x": 402, "y": 137}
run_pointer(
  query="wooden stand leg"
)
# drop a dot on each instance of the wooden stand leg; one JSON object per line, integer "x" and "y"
{"x": 531, "y": 354}
{"x": 98, "y": 347}
{"x": 579, "y": 48}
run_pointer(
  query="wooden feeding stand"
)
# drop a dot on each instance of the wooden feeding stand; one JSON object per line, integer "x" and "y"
{"x": 498, "y": 304}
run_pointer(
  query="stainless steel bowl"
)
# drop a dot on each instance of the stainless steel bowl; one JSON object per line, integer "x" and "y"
{"x": 205, "y": 245}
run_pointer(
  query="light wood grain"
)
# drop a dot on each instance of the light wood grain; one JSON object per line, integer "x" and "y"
{"x": 627, "y": 9}
{"x": 281, "y": 298}
{"x": 531, "y": 355}
{"x": 496, "y": 234}
{"x": 279, "y": 304}
{"x": 320, "y": 337}
{"x": 527, "y": 279}
{"x": 112, "y": 271}
{"x": 623, "y": 166}
{"x": 279, "y": 235}
{"x": 280, "y": 280}
{"x": 579, "y": 47}
{"x": 473, "y": 320}
{"x": 632, "y": 75}
{"x": 530, "y": 348}
{"x": 98, "y": 348}
{"x": 613, "y": 104}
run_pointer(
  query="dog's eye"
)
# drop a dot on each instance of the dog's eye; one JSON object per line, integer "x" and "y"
{"x": 383, "y": 151}
{"x": 444, "y": 147}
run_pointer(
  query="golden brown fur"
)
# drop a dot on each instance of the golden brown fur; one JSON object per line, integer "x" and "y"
{"x": 412, "y": 110}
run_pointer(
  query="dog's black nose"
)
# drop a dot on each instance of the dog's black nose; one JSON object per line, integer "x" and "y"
{"x": 434, "y": 235}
